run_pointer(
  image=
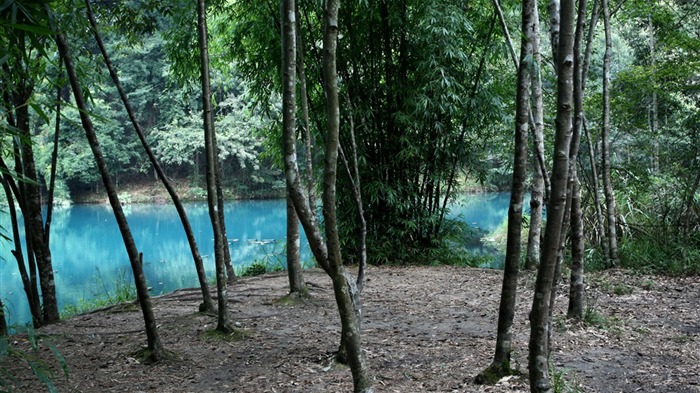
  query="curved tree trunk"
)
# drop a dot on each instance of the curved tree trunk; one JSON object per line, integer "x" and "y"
{"x": 135, "y": 258}
{"x": 327, "y": 254}
{"x": 207, "y": 304}
{"x": 213, "y": 187}
{"x": 611, "y": 229}
{"x": 539, "y": 317}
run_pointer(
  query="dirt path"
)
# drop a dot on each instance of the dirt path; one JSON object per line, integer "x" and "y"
{"x": 425, "y": 329}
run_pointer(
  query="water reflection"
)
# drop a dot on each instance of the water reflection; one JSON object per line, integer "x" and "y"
{"x": 89, "y": 255}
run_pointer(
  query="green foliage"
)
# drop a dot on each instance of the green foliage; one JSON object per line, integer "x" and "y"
{"x": 26, "y": 350}
{"x": 257, "y": 268}
{"x": 563, "y": 380}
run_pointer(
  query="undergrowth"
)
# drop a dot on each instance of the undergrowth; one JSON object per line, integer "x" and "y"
{"x": 25, "y": 350}
{"x": 124, "y": 291}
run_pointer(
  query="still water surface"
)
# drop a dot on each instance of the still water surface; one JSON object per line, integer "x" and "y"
{"x": 89, "y": 256}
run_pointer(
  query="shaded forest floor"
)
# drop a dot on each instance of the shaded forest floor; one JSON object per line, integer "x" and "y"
{"x": 425, "y": 329}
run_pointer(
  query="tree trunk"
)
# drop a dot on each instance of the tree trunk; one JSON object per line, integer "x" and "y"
{"x": 290, "y": 35}
{"x": 54, "y": 159}
{"x": 611, "y": 230}
{"x": 207, "y": 304}
{"x": 28, "y": 284}
{"x": 540, "y": 186}
{"x": 294, "y": 269}
{"x": 538, "y": 346}
{"x": 3, "y": 322}
{"x": 654, "y": 109}
{"x": 327, "y": 254}
{"x": 554, "y": 9}
{"x": 155, "y": 347}
{"x": 576, "y": 289}
{"x": 306, "y": 124}
{"x": 223, "y": 322}
{"x": 501, "y": 361}
{"x": 575, "y": 222}
{"x": 29, "y": 189}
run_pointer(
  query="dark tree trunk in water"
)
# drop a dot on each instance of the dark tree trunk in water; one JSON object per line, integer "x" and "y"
{"x": 501, "y": 361}
{"x": 207, "y": 304}
{"x": 538, "y": 360}
{"x": 327, "y": 252}
{"x": 213, "y": 187}
{"x": 611, "y": 230}
{"x": 135, "y": 258}
{"x": 28, "y": 282}
{"x": 3, "y": 321}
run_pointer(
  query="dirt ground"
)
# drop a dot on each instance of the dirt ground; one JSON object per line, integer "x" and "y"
{"x": 425, "y": 329}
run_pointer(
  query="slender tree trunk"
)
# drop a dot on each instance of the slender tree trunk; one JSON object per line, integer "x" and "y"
{"x": 576, "y": 289}
{"x": 27, "y": 283}
{"x": 327, "y": 254}
{"x": 207, "y": 304}
{"x": 223, "y": 322}
{"x": 294, "y": 269}
{"x": 3, "y": 322}
{"x": 154, "y": 345}
{"x": 540, "y": 184}
{"x": 501, "y": 361}
{"x": 600, "y": 221}
{"x": 54, "y": 160}
{"x": 554, "y": 9}
{"x": 30, "y": 193}
{"x": 654, "y": 109}
{"x": 575, "y": 222}
{"x": 306, "y": 124}
{"x": 539, "y": 317}
{"x": 611, "y": 230}
{"x": 230, "y": 273}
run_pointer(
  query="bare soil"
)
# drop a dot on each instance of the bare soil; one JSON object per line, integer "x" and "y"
{"x": 425, "y": 329}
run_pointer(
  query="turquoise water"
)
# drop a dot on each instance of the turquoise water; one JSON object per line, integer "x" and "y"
{"x": 89, "y": 256}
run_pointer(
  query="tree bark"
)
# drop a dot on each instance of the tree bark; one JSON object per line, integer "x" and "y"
{"x": 294, "y": 269}
{"x": 539, "y": 317}
{"x": 540, "y": 184}
{"x": 501, "y": 361}
{"x": 576, "y": 289}
{"x": 575, "y": 309}
{"x": 611, "y": 211}
{"x": 220, "y": 241}
{"x": 290, "y": 35}
{"x": 28, "y": 284}
{"x": 207, "y": 304}
{"x": 135, "y": 258}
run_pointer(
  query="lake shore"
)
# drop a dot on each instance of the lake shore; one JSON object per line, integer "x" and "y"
{"x": 424, "y": 329}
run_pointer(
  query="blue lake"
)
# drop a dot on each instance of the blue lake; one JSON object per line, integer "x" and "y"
{"x": 89, "y": 256}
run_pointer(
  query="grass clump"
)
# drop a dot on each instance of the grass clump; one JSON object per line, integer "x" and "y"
{"x": 236, "y": 334}
{"x": 563, "y": 380}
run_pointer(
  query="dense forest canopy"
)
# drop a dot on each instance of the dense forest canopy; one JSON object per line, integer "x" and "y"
{"x": 388, "y": 110}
